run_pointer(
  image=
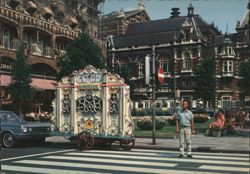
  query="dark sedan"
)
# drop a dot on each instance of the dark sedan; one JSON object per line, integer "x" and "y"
{"x": 13, "y": 128}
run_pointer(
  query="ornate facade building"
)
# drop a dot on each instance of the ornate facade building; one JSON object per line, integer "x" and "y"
{"x": 44, "y": 28}
{"x": 116, "y": 23}
{"x": 227, "y": 71}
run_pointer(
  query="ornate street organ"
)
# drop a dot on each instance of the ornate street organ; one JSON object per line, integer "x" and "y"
{"x": 94, "y": 101}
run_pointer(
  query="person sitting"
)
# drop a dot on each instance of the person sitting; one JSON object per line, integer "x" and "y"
{"x": 220, "y": 121}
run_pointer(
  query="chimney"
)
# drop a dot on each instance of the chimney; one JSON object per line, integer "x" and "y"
{"x": 175, "y": 12}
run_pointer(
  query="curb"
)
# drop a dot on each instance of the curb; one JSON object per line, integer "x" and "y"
{"x": 197, "y": 149}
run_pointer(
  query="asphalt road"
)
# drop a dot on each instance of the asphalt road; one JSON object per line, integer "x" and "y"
{"x": 63, "y": 158}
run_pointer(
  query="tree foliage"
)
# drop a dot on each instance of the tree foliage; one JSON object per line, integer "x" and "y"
{"x": 80, "y": 53}
{"x": 125, "y": 73}
{"x": 204, "y": 80}
{"x": 20, "y": 88}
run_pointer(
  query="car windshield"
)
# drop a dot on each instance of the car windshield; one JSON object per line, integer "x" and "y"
{"x": 9, "y": 117}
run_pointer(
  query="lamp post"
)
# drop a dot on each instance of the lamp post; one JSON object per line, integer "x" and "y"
{"x": 174, "y": 73}
{"x": 153, "y": 95}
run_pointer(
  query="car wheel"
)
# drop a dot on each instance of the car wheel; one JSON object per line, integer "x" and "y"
{"x": 41, "y": 141}
{"x": 8, "y": 140}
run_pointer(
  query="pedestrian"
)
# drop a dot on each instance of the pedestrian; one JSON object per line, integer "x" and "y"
{"x": 185, "y": 129}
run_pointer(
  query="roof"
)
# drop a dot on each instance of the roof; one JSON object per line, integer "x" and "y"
{"x": 117, "y": 14}
{"x": 225, "y": 39}
{"x": 157, "y": 31}
{"x": 245, "y": 20}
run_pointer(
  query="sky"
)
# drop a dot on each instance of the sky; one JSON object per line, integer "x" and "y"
{"x": 222, "y": 12}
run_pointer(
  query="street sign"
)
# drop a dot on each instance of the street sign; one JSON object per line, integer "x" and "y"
{"x": 161, "y": 75}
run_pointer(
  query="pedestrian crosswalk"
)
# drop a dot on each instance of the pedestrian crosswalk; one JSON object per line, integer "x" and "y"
{"x": 135, "y": 161}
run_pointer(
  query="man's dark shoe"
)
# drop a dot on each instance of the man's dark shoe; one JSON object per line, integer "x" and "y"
{"x": 180, "y": 156}
{"x": 189, "y": 156}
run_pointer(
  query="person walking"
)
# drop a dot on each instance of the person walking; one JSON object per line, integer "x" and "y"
{"x": 185, "y": 129}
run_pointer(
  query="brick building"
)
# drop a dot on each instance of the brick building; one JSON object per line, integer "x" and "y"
{"x": 116, "y": 23}
{"x": 180, "y": 40}
{"x": 243, "y": 47}
{"x": 45, "y": 28}
{"x": 227, "y": 71}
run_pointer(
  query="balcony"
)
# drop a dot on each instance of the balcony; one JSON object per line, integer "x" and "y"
{"x": 186, "y": 71}
{"x": 35, "y": 50}
{"x": 164, "y": 90}
{"x": 26, "y": 19}
{"x": 227, "y": 74}
{"x": 61, "y": 53}
{"x": 47, "y": 52}
{"x": 167, "y": 75}
{"x": 142, "y": 90}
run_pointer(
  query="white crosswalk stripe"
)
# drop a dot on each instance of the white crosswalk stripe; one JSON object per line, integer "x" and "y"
{"x": 135, "y": 161}
{"x": 160, "y": 158}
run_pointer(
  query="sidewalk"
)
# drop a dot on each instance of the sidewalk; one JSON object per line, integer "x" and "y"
{"x": 200, "y": 143}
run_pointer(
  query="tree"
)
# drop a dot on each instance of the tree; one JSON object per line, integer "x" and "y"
{"x": 204, "y": 80}
{"x": 80, "y": 53}
{"x": 20, "y": 88}
{"x": 244, "y": 82}
{"x": 125, "y": 73}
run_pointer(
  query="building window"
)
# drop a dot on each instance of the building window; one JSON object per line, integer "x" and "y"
{"x": 26, "y": 41}
{"x": 41, "y": 44}
{"x": 141, "y": 69}
{"x": 187, "y": 35}
{"x": 226, "y": 98}
{"x": 225, "y": 50}
{"x": 187, "y": 83}
{"x": 165, "y": 65}
{"x": 227, "y": 66}
{"x": 6, "y": 38}
{"x": 187, "y": 62}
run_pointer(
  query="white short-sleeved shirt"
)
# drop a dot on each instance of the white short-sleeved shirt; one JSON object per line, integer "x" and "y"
{"x": 185, "y": 118}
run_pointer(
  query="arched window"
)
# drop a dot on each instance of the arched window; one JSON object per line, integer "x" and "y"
{"x": 187, "y": 62}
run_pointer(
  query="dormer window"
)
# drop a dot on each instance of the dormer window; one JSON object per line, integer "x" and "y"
{"x": 228, "y": 50}
{"x": 187, "y": 35}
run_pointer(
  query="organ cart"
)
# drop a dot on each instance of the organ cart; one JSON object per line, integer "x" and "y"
{"x": 93, "y": 107}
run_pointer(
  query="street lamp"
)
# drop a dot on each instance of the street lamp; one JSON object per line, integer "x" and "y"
{"x": 111, "y": 48}
{"x": 153, "y": 94}
{"x": 148, "y": 59}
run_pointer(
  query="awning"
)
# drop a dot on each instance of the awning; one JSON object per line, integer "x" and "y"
{"x": 44, "y": 84}
{"x": 5, "y": 80}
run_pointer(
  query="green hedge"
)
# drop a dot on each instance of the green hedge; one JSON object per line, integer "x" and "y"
{"x": 145, "y": 123}
{"x": 197, "y": 119}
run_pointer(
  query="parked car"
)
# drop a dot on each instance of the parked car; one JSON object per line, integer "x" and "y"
{"x": 14, "y": 129}
{"x": 208, "y": 111}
